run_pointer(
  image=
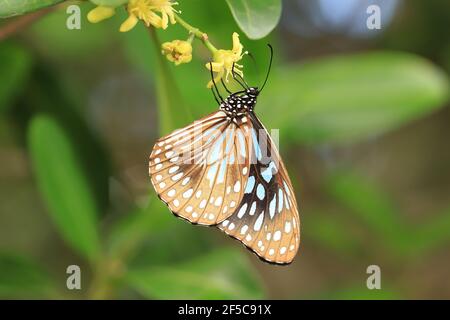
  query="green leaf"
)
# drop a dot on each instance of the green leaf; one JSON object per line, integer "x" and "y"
{"x": 332, "y": 232}
{"x": 128, "y": 234}
{"x": 255, "y": 17}
{"x": 21, "y": 277}
{"x": 63, "y": 186}
{"x": 150, "y": 236}
{"x": 224, "y": 274}
{"x": 15, "y": 64}
{"x": 9, "y": 8}
{"x": 366, "y": 201}
{"x": 433, "y": 233}
{"x": 348, "y": 98}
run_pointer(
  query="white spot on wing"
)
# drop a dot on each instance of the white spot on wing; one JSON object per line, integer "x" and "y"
{"x": 260, "y": 191}
{"x": 218, "y": 201}
{"x": 242, "y": 211}
{"x": 177, "y": 176}
{"x": 173, "y": 169}
{"x": 259, "y": 222}
{"x": 287, "y": 227}
{"x": 187, "y": 194}
{"x": 253, "y": 208}
{"x": 280, "y": 200}
{"x": 272, "y": 207}
{"x": 250, "y": 184}
{"x": 237, "y": 186}
{"x": 277, "y": 235}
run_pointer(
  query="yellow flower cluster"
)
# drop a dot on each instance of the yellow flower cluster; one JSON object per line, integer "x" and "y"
{"x": 225, "y": 60}
{"x": 157, "y": 13}
{"x": 177, "y": 51}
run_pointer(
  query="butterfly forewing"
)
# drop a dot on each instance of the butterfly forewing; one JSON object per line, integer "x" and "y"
{"x": 266, "y": 220}
{"x": 199, "y": 171}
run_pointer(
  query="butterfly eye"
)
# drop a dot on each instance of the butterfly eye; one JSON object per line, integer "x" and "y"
{"x": 253, "y": 92}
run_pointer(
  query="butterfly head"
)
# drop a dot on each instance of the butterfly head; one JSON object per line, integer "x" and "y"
{"x": 252, "y": 92}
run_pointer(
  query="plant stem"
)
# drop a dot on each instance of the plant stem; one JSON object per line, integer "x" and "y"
{"x": 106, "y": 274}
{"x": 197, "y": 33}
{"x": 19, "y": 23}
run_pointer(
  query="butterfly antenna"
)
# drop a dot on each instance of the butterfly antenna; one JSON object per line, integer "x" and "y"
{"x": 215, "y": 93}
{"x": 254, "y": 63}
{"x": 226, "y": 89}
{"x": 235, "y": 77}
{"x": 270, "y": 67}
{"x": 215, "y": 97}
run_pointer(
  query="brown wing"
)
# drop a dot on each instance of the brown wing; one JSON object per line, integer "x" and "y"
{"x": 199, "y": 171}
{"x": 267, "y": 220}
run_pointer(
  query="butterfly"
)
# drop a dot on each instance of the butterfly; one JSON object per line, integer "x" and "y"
{"x": 224, "y": 170}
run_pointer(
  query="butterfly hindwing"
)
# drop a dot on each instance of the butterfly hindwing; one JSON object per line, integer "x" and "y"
{"x": 199, "y": 171}
{"x": 266, "y": 221}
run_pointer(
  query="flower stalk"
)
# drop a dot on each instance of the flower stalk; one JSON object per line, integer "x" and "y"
{"x": 197, "y": 33}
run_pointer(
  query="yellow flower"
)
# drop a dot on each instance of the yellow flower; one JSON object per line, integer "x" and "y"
{"x": 100, "y": 13}
{"x": 223, "y": 61}
{"x": 177, "y": 51}
{"x": 146, "y": 10}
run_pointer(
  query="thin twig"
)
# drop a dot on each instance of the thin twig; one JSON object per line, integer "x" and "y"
{"x": 19, "y": 23}
{"x": 196, "y": 32}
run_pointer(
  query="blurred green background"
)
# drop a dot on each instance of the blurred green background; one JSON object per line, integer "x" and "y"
{"x": 364, "y": 125}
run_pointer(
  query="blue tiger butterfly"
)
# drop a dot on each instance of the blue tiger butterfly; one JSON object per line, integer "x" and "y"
{"x": 224, "y": 170}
